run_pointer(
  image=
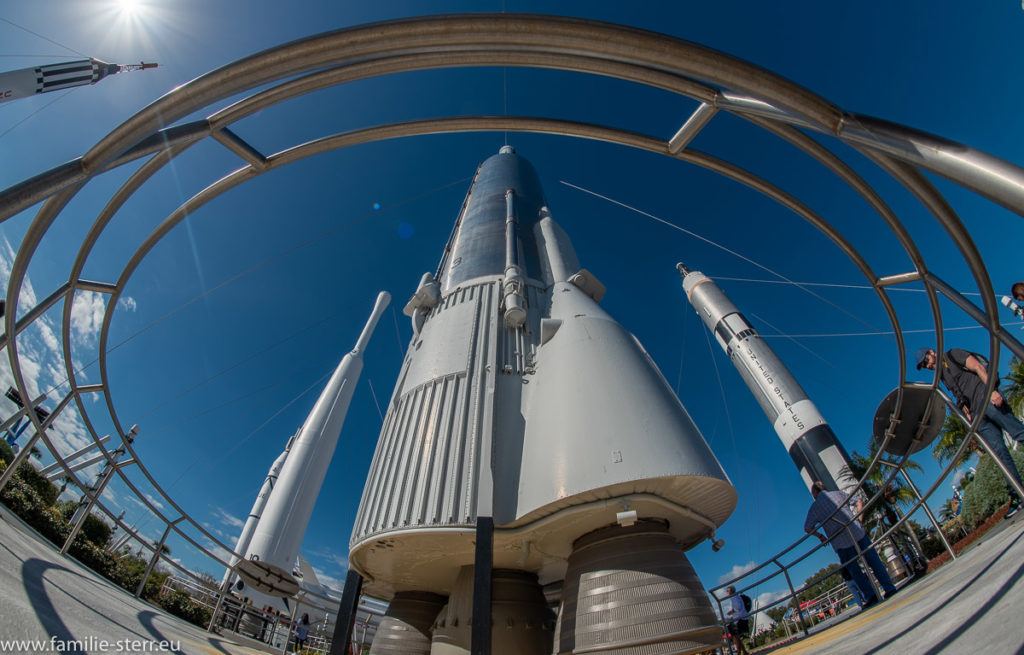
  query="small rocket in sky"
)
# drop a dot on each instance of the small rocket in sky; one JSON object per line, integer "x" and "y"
{"x": 54, "y": 77}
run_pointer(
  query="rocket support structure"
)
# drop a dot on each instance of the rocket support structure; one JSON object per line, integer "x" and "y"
{"x": 806, "y": 435}
{"x": 529, "y": 440}
{"x": 278, "y": 534}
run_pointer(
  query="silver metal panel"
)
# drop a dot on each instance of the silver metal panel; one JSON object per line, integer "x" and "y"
{"x": 478, "y": 248}
{"x": 425, "y": 470}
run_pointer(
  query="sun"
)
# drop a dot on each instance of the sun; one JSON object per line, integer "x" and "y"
{"x": 129, "y": 8}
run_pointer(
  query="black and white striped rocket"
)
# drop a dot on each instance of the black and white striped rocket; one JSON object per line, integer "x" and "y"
{"x": 54, "y": 77}
{"x": 815, "y": 450}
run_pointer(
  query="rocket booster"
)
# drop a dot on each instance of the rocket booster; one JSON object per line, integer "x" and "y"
{"x": 256, "y": 512}
{"x": 815, "y": 450}
{"x": 279, "y": 532}
{"x": 55, "y": 77}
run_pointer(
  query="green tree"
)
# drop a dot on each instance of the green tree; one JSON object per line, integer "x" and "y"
{"x": 988, "y": 491}
{"x": 830, "y": 578}
{"x": 1014, "y": 393}
{"x": 953, "y": 433}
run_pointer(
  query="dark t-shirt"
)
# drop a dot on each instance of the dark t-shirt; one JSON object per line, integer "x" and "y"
{"x": 966, "y": 386}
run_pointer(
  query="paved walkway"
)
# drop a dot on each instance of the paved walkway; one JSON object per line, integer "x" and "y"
{"x": 970, "y": 606}
{"x": 49, "y": 603}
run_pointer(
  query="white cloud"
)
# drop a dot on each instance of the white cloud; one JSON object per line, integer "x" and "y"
{"x": 328, "y": 582}
{"x": 87, "y": 316}
{"x": 127, "y": 303}
{"x": 156, "y": 503}
{"x": 736, "y": 570}
{"x": 232, "y": 521}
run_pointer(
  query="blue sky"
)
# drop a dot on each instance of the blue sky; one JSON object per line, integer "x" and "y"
{"x": 267, "y": 286}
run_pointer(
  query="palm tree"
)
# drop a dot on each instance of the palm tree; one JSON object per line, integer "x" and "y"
{"x": 886, "y": 511}
{"x": 953, "y": 433}
{"x": 1015, "y": 392}
{"x": 946, "y": 512}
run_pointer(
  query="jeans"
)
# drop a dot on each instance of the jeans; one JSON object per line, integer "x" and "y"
{"x": 873, "y": 561}
{"x": 996, "y": 420}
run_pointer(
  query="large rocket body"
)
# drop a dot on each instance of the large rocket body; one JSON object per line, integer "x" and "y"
{"x": 278, "y": 534}
{"x": 806, "y": 435}
{"x": 522, "y": 400}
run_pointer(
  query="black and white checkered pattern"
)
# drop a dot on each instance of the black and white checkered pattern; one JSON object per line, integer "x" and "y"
{"x": 68, "y": 74}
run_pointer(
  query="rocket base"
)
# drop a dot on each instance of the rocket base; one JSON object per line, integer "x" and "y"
{"x": 521, "y": 621}
{"x": 405, "y": 628}
{"x": 631, "y": 590}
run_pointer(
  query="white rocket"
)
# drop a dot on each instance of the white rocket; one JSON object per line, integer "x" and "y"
{"x": 55, "y": 77}
{"x": 524, "y": 405}
{"x": 245, "y": 538}
{"x": 804, "y": 432}
{"x": 275, "y": 541}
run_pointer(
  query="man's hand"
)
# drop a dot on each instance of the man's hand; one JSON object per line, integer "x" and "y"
{"x": 997, "y": 398}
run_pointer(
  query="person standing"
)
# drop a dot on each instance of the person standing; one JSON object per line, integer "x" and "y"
{"x": 301, "y": 633}
{"x": 847, "y": 535}
{"x": 737, "y": 619}
{"x": 965, "y": 377}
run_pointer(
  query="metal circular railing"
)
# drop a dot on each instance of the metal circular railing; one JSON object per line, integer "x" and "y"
{"x": 718, "y": 82}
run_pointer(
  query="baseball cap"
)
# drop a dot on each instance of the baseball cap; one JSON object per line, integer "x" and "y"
{"x": 920, "y": 356}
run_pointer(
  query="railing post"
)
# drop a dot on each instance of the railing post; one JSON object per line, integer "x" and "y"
{"x": 792, "y": 592}
{"x": 223, "y": 592}
{"x": 153, "y": 560}
{"x": 928, "y": 511}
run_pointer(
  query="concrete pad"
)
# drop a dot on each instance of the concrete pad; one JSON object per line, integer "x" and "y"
{"x": 971, "y": 605}
{"x": 48, "y": 602}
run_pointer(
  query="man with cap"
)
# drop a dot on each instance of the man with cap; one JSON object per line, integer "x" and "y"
{"x": 966, "y": 377}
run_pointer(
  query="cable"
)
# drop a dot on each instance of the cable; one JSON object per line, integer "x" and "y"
{"x": 721, "y": 247}
{"x": 12, "y": 127}
{"x": 257, "y": 267}
{"x": 833, "y": 285}
{"x": 886, "y": 333}
{"x": 375, "y": 401}
{"x": 732, "y": 433}
{"x": 44, "y": 38}
{"x": 780, "y": 333}
{"x": 398, "y": 334}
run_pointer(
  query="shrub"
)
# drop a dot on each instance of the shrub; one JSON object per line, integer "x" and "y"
{"x": 181, "y": 605}
{"x": 33, "y": 478}
{"x": 987, "y": 492}
{"x": 6, "y": 452}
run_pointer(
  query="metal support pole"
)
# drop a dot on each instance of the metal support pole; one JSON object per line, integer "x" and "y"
{"x": 789, "y": 582}
{"x": 480, "y": 643}
{"x": 294, "y": 623}
{"x": 157, "y": 551}
{"x": 863, "y": 564}
{"x": 928, "y": 511}
{"x": 224, "y": 587}
{"x": 346, "y": 613}
{"x": 18, "y": 459}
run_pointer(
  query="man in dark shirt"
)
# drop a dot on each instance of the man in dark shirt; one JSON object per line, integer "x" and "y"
{"x": 966, "y": 378}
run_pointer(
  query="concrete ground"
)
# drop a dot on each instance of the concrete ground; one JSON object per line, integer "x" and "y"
{"x": 972, "y": 605}
{"x": 49, "y": 602}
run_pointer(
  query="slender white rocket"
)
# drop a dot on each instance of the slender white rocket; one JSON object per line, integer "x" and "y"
{"x": 55, "y": 77}
{"x": 245, "y": 538}
{"x": 279, "y": 533}
{"x": 804, "y": 432}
